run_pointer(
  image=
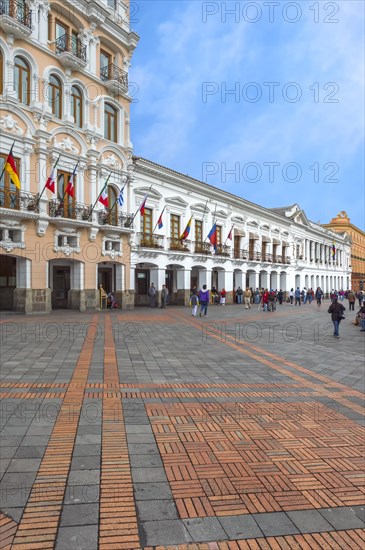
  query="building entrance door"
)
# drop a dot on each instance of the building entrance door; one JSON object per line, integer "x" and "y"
{"x": 61, "y": 286}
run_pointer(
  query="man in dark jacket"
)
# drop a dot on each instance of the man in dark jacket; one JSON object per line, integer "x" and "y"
{"x": 336, "y": 311}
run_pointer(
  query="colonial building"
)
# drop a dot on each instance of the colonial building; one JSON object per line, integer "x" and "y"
{"x": 64, "y": 98}
{"x": 273, "y": 248}
{"x": 341, "y": 224}
{"x": 65, "y": 111}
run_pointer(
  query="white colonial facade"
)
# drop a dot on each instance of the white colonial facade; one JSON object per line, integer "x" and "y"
{"x": 272, "y": 248}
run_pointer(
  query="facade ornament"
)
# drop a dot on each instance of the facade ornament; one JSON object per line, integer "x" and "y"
{"x": 42, "y": 227}
{"x": 92, "y": 233}
{"x": 66, "y": 145}
{"x": 112, "y": 161}
{"x": 8, "y": 245}
{"x": 8, "y": 123}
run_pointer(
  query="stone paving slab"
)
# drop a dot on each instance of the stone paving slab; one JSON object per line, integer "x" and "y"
{"x": 240, "y": 430}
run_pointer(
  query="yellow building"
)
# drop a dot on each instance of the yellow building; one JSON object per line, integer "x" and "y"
{"x": 64, "y": 99}
{"x": 341, "y": 224}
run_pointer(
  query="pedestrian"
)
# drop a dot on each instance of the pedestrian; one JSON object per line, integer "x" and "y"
{"x": 319, "y": 296}
{"x": 223, "y": 297}
{"x": 310, "y": 295}
{"x": 239, "y": 294}
{"x": 247, "y": 294}
{"x": 257, "y": 296}
{"x": 360, "y": 297}
{"x": 336, "y": 310}
{"x": 297, "y": 295}
{"x": 280, "y": 296}
{"x": 164, "y": 295}
{"x": 272, "y": 300}
{"x": 265, "y": 299}
{"x": 194, "y": 302}
{"x": 204, "y": 300}
{"x": 304, "y": 295}
{"x": 291, "y": 296}
{"x": 152, "y": 294}
{"x": 351, "y": 298}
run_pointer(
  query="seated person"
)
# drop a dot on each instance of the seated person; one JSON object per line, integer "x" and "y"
{"x": 360, "y": 318}
{"x": 112, "y": 303}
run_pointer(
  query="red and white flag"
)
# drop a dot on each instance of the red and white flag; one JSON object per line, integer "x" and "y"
{"x": 142, "y": 208}
{"x": 230, "y": 234}
{"x": 50, "y": 183}
{"x": 70, "y": 189}
{"x": 103, "y": 197}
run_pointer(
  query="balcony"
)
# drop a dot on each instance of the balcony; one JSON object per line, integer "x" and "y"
{"x": 179, "y": 245}
{"x": 202, "y": 248}
{"x": 254, "y": 256}
{"x": 16, "y": 18}
{"x": 69, "y": 210}
{"x": 223, "y": 250}
{"x": 151, "y": 241}
{"x": 116, "y": 219}
{"x": 286, "y": 260}
{"x": 18, "y": 200}
{"x": 115, "y": 79}
{"x": 71, "y": 52}
{"x": 240, "y": 254}
{"x": 266, "y": 257}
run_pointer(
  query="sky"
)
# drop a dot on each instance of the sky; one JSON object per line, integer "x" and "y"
{"x": 263, "y": 99}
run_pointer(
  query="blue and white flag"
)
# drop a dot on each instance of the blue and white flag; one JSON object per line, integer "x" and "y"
{"x": 120, "y": 198}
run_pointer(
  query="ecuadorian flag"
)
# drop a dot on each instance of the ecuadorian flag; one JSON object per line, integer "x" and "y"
{"x": 186, "y": 232}
{"x": 11, "y": 169}
{"x": 333, "y": 251}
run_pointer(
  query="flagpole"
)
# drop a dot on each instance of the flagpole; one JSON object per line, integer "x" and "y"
{"x": 158, "y": 219}
{"x": 10, "y": 153}
{"x": 40, "y": 196}
{"x": 145, "y": 198}
{"x": 228, "y": 234}
{"x": 105, "y": 184}
{"x": 215, "y": 211}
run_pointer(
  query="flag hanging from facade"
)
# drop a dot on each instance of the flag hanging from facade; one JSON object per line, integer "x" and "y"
{"x": 120, "y": 198}
{"x": 103, "y": 197}
{"x": 51, "y": 181}
{"x": 11, "y": 169}
{"x": 160, "y": 222}
{"x": 70, "y": 189}
{"x": 142, "y": 208}
{"x": 230, "y": 234}
{"x": 213, "y": 236}
{"x": 333, "y": 251}
{"x": 184, "y": 235}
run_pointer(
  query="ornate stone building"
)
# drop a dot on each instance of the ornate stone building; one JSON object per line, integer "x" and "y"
{"x": 64, "y": 97}
{"x": 341, "y": 224}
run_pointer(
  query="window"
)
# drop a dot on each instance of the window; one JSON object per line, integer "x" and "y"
{"x": 146, "y": 221}
{"x": 110, "y": 122}
{"x": 1, "y": 71}
{"x": 105, "y": 62}
{"x": 67, "y": 203}
{"x": 198, "y": 231}
{"x": 55, "y": 95}
{"x": 175, "y": 226}
{"x": 112, "y": 204}
{"x": 22, "y": 80}
{"x": 76, "y": 105}
{"x": 9, "y": 193}
{"x": 219, "y": 234}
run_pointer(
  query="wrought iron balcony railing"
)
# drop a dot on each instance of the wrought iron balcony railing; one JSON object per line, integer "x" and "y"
{"x": 286, "y": 260}
{"x": 240, "y": 254}
{"x": 223, "y": 250}
{"x": 147, "y": 240}
{"x": 267, "y": 257}
{"x": 69, "y": 209}
{"x": 118, "y": 219}
{"x": 113, "y": 72}
{"x": 18, "y": 200}
{"x": 71, "y": 44}
{"x": 18, "y": 11}
{"x": 179, "y": 245}
{"x": 202, "y": 248}
{"x": 254, "y": 256}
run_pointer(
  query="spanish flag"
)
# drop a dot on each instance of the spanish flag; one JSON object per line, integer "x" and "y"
{"x": 11, "y": 169}
{"x": 186, "y": 231}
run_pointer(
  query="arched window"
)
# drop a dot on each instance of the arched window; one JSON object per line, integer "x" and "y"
{"x": 55, "y": 95}
{"x": 22, "y": 79}
{"x": 110, "y": 122}
{"x": 77, "y": 105}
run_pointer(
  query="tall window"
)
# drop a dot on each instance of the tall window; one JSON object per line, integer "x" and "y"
{"x": 68, "y": 206}
{"x": 9, "y": 193}
{"x": 105, "y": 61}
{"x": 76, "y": 105}
{"x": 1, "y": 71}
{"x": 146, "y": 221}
{"x": 22, "y": 79}
{"x": 219, "y": 234}
{"x": 110, "y": 122}
{"x": 55, "y": 95}
{"x": 198, "y": 231}
{"x": 174, "y": 226}
{"x": 112, "y": 197}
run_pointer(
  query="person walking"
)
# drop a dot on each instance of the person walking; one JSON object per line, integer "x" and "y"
{"x": 265, "y": 299}
{"x": 272, "y": 300}
{"x": 336, "y": 310}
{"x": 319, "y": 296}
{"x": 223, "y": 297}
{"x": 351, "y": 298}
{"x": 291, "y": 296}
{"x": 297, "y": 296}
{"x": 152, "y": 294}
{"x": 194, "y": 302}
{"x": 247, "y": 295}
{"x": 239, "y": 294}
{"x": 280, "y": 296}
{"x": 204, "y": 300}
{"x": 164, "y": 295}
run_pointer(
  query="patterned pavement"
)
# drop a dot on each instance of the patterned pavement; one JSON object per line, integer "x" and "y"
{"x": 153, "y": 429}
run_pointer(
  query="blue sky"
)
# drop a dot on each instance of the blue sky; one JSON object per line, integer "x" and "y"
{"x": 292, "y": 131}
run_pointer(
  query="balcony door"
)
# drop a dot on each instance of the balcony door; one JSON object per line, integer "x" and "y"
{"x": 67, "y": 203}
{"x": 9, "y": 193}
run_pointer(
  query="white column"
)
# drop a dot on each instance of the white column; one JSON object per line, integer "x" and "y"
{"x": 204, "y": 278}
{"x": 239, "y": 279}
{"x": 43, "y": 23}
{"x": 274, "y": 281}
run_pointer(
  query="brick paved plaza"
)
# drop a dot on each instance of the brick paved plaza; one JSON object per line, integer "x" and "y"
{"x": 154, "y": 429}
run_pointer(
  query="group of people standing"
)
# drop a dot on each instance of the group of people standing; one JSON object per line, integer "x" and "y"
{"x": 153, "y": 296}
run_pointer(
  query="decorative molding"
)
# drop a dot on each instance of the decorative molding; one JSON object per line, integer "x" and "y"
{"x": 8, "y": 123}
{"x": 66, "y": 145}
{"x": 112, "y": 161}
{"x": 93, "y": 232}
{"x": 8, "y": 245}
{"x": 42, "y": 227}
